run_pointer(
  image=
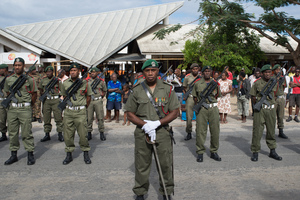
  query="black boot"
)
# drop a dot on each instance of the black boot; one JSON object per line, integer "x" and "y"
{"x": 281, "y": 134}
{"x": 188, "y": 136}
{"x": 46, "y": 137}
{"x": 200, "y": 158}
{"x": 215, "y": 156}
{"x": 60, "y": 137}
{"x": 139, "y": 197}
{"x": 39, "y": 120}
{"x": 165, "y": 198}
{"x": 30, "y": 158}
{"x": 86, "y": 157}
{"x": 254, "y": 157}
{"x": 13, "y": 158}
{"x": 89, "y": 136}
{"x": 3, "y": 138}
{"x": 33, "y": 119}
{"x": 102, "y": 136}
{"x": 68, "y": 159}
{"x": 274, "y": 155}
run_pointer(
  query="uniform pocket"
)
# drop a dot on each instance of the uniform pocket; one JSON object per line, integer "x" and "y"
{"x": 143, "y": 107}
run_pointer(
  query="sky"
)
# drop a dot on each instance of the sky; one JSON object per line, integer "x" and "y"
{"x": 18, "y": 12}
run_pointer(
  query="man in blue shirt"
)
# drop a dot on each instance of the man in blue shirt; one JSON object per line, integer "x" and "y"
{"x": 114, "y": 88}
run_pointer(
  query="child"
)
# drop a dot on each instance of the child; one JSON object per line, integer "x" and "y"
{"x": 125, "y": 94}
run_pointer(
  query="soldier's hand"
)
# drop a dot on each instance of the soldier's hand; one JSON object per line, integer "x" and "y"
{"x": 152, "y": 135}
{"x": 150, "y": 125}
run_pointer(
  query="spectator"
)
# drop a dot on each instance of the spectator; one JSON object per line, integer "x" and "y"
{"x": 255, "y": 76}
{"x": 243, "y": 96}
{"x": 183, "y": 73}
{"x": 125, "y": 94}
{"x": 230, "y": 76}
{"x": 216, "y": 75}
{"x": 178, "y": 85}
{"x": 63, "y": 76}
{"x": 294, "y": 99}
{"x": 234, "y": 83}
{"x": 114, "y": 99}
{"x": 224, "y": 101}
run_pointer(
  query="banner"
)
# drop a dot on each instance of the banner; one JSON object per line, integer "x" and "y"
{"x": 30, "y": 58}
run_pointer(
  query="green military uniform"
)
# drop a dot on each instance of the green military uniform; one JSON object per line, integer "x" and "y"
{"x": 96, "y": 105}
{"x": 205, "y": 116}
{"x": 36, "y": 109}
{"x": 138, "y": 103}
{"x": 50, "y": 105}
{"x": 19, "y": 115}
{"x": 3, "y": 114}
{"x": 75, "y": 117}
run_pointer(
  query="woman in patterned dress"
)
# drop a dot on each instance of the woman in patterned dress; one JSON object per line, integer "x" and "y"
{"x": 224, "y": 101}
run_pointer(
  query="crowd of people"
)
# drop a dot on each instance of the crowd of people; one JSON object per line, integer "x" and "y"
{"x": 150, "y": 101}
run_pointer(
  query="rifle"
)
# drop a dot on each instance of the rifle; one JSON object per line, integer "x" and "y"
{"x": 282, "y": 78}
{"x": 2, "y": 83}
{"x": 165, "y": 74}
{"x": 266, "y": 92}
{"x": 49, "y": 88}
{"x": 71, "y": 91}
{"x": 96, "y": 82}
{"x": 205, "y": 94}
{"x": 15, "y": 88}
{"x": 191, "y": 86}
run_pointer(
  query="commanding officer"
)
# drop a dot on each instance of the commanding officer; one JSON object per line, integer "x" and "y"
{"x": 96, "y": 105}
{"x": 50, "y": 105}
{"x": 205, "y": 116}
{"x": 36, "y": 109}
{"x": 142, "y": 112}
{"x": 75, "y": 117}
{"x": 189, "y": 102}
{"x": 280, "y": 102}
{"x": 19, "y": 114}
{"x": 3, "y": 112}
{"x": 266, "y": 116}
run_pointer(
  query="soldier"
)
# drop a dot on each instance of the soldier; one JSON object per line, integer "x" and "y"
{"x": 207, "y": 116}
{"x": 280, "y": 103}
{"x": 266, "y": 116}
{"x": 189, "y": 102}
{"x": 50, "y": 105}
{"x": 142, "y": 112}
{"x": 140, "y": 78}
{"x": 19, "y": 114}
{"x": 96, "y": 105}
{"x": 75, "y": 117}
{"x": 36, "y": 109}
{"x": 3, "y": 111}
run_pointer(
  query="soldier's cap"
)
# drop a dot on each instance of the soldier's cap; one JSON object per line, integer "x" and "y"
{"x": 276, "y": 66}
{"x": 94, "y": 69}
{"x": 150, "y": 63}
{"x": 49, "y": 68}
{"x": 3, "y": 66}
{"x": 194, "y": 65}
{"x": 74, "y": 65}
{"x": 205, "y": 67}
{"x": 266, "y": 67}
{"x": 19, "y": 60}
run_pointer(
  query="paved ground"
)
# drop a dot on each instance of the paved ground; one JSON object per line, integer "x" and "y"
{"x": 111, "y": 174}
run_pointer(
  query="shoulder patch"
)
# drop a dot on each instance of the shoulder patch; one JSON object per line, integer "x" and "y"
{"x": 187, "y": 75}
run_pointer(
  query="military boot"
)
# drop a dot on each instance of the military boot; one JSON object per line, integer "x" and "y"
{"x": 30, "y": 158}
{"x": 102, "y": 136}
{"x": 254, "y": 157}
{"x": 139, "y": 197}
{"x": 46, "y": 137}
{"x": 13, "y": 158}
{"x": 89, "y": 136}
{"x": 188, "y": 136}
{"x": 86, "y": 157}
{"x": 33, "y": 119}
{"x": 200, "y": 158}
{"x": 165, "y": 197}
{"x": 68, "y": 159}
{"x": 281, "y": 134}
{"x": 3, "y": 138}
{"x": 60, "y": 137}
{"x": 39, "y": 120}
{"x": 274, "y": 155}
{"x": 215, "y": 156}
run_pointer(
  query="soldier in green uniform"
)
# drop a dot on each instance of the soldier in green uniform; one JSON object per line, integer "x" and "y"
{"x": 141, "y": 112}
{"x": 3, "y": 111}
{"x": 36, "y": 109}
{"x": 280, "y": 102}
{"x": 19, "y": 114}
{"x": 189, "y": 102}
{"x": 96, "y": 105}
{"x": 75, "y": 117}
{"x": 50, "y": 105}
{"x": 207, "y": 115}
{"x": 266, "y": 116}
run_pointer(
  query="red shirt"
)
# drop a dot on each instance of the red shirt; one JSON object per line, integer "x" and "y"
{"x": 230, "y": 76}
{"x": 296, "y": 90}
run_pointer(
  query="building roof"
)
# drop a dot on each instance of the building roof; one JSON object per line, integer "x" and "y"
{"x": 91, "y": 39}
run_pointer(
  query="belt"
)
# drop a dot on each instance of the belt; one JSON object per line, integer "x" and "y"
{"x": 281, "y": 97}
{"x": 212, "y": 105}
{"x": 17, "y": 105}
{"x": 268, "y": 107}
{"x": 53, "y": 97}
{"x": 76, "y": 107}
{"x": 97, "y": 98}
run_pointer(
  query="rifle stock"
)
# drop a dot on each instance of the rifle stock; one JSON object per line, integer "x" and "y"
{"x": 165, "y": 74}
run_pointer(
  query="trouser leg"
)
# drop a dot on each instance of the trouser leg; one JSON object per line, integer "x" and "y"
{"x": 81, "y": 126}
{"x": 214, "y": 127}
{"x": 201, "y": 130}
{"x": 257, "y": 131}
{"x": 189, "y": 114}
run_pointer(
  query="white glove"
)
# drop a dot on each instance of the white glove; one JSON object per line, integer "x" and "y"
{"x": 150, "y": 125}
{"x": 152, "y": 135}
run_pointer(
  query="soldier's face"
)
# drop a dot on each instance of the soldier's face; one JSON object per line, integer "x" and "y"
{"x": 2, "y": 71}
{"x": 19, "y": 67}
{"x": 33, "y": 72}
{"x": 267, "y": 74}
{"x": 74, "y": 73}
{"x": 195, "y": 71}
{"x": 207, "y": 74}
{"x": 93, "y": 75}
{"x": 150, "y": 74}
{"x": 49, "y": 73}
{"x": 276, "y": 71}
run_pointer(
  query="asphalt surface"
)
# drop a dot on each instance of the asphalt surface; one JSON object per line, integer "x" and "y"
{"x": 111, "y": 174}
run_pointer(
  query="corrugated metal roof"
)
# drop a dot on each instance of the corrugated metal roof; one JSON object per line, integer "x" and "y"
{"x": 91, "y": 39}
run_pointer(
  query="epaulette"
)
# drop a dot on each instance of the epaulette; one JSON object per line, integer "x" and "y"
{"x": 187, "y": 75}
{"x": 257, "y": 79}
{"x": 102, "y": 79}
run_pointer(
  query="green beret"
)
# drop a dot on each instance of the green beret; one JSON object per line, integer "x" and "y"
{"x": 49, "y": 68}
{"x": 3, "y": 66}
{"x": 19, "y": 60}
{"x": 74, "y": 65}
{"x": 205, "y": 67}
{"x": 276, "y": 66}
{"x": 32, "y": 68}
{"x": 150, "y": 63}
{"x": 194, "y": 65}
{"x": 94, "y": 69}
{"x": 266, "y": 67}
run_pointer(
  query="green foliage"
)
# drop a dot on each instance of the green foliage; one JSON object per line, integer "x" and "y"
{"x": 161, "y": 34}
